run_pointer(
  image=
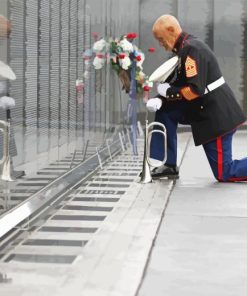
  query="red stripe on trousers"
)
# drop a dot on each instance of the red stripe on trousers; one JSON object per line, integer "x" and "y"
{"x": 220, "y": 159}
{"x": 237, "y": 179}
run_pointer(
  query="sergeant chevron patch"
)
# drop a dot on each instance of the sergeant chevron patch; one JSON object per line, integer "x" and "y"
{"x": 190, "y": 67}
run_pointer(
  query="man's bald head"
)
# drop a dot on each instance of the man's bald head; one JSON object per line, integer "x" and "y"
{"x": 165, "y": 21}
{"x": 166, "y": 29}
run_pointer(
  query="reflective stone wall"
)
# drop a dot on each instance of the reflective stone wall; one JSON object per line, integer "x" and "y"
{"x": 47, "y": 50}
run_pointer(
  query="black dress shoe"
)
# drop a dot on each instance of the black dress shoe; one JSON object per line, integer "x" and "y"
{"x": 140, "y": 175}
{"x": 165, "y": 171}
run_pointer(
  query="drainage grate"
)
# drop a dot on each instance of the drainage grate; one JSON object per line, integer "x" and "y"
{"x": 26, "y": 187}
{"x": 52, "y": 259}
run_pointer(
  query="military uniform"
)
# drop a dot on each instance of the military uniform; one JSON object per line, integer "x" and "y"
{"x": 199, "y": 96}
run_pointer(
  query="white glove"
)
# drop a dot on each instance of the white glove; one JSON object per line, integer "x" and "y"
{"x": 7, "y": 102}
{"x": 154, "y": 104}
{"x": 162, "y": 88}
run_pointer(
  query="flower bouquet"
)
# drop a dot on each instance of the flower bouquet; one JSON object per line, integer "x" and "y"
{"x": 126, "y": 60}
{"x": 123, "y": 56}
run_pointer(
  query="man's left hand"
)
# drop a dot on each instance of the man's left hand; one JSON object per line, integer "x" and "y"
{"x": 154, "y": 104}
{"x": 162, "y": 88}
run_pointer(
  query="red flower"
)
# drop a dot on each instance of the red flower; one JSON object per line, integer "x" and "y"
{"x": 79, "y": 87}
{"x": 100, "y": 55}
{"x": 131, "y": 35}
{"x": 95, "y": 35}
{"x": 121, "y": 56}
{"x": 151, "y": 49}
{"x": 138, "y": 58}
{"x": 146, "y": 88}
{"x": 86, "y": 58}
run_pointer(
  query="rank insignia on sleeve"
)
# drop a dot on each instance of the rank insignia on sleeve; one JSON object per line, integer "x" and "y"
{"x": 190, "y": 67}
{"x": 188, "y": 93}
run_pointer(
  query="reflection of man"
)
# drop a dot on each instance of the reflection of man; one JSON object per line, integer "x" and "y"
{"x": 198, "y": 96}
{"x": 6, "y": 102}
{"x": 5, "y": 27}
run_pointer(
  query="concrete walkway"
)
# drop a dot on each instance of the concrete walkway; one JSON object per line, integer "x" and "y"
{"x": 201, "y": 247}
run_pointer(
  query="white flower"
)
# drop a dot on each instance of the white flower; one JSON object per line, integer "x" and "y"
{"x": 125, "y": 63}
{"x": 78, "y": 82}
{"x": 98, "y": 63}
{"x": 135, "y": 48}
{"x": 139, "y": 63}
{"x": 142, "y": 75}
{"x": 149, "y": 83}
{"x": 126, "y": 45}
{"x": 99, "y": 45}
{"x": 79, "y": 85}
{"x": 86, "y": 74}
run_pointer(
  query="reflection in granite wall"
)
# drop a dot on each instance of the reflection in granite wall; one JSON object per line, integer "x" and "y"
{"x": 190, "y": 18}
{"x": 80, "y": 68}
{"x": 124, "y": 18}
{"x": 209, "y": 38}
{"x": 72, "y": 104}
{"x": 43, "y": 75}
{"x": 47, "y": 52}
{"x": 228, "y": 44}
{"x": 54, "y": 71}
